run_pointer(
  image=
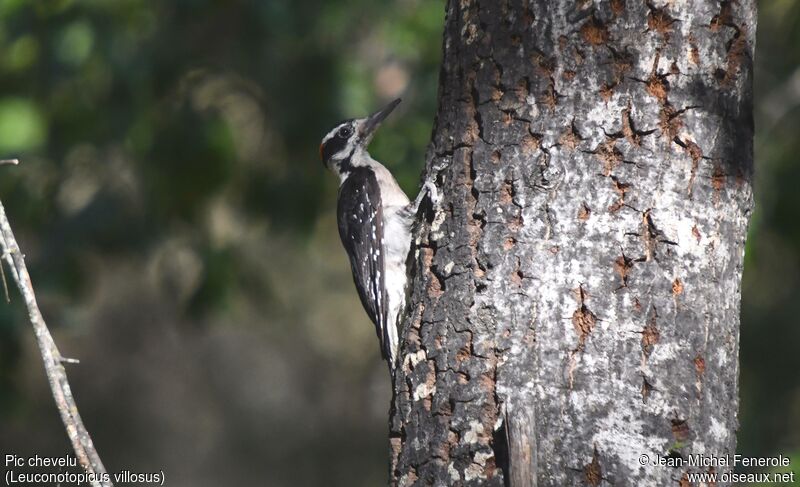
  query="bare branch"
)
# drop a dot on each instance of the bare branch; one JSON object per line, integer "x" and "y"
{"x": 56, "y": 375}
{"x": 5, "y": 284}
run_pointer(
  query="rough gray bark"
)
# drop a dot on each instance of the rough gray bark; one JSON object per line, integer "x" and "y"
{"x": 576, "y": 298}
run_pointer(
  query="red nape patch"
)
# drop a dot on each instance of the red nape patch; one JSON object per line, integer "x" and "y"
{"x": 320, "y": 150}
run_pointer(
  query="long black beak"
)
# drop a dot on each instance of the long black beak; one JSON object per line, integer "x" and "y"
{"x": 374, "y": 121}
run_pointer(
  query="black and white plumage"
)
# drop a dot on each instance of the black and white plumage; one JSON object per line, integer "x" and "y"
{"x": 375, "y": 218}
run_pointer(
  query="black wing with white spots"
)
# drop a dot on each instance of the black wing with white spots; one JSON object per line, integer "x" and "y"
{"x": 360, "y": 217}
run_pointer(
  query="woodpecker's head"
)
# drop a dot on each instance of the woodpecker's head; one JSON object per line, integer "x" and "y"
{"x": 350, "y": 137}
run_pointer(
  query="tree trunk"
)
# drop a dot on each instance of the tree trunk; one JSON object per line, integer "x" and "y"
{"x": 575, "y": 304}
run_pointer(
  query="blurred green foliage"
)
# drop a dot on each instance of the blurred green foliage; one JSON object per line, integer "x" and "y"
{"x": 770, "y": 336}
{"x": 185, "y": 102}
{"x": 170, "y": 200}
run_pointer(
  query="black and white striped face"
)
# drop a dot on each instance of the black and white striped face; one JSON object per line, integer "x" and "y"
{"x": 341, "y": 143}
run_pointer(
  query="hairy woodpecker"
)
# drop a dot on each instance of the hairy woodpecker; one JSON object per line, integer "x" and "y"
{"x": 375, "y": 218}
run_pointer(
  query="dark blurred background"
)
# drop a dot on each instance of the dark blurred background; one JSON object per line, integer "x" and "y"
{"x": 180, "y": 230}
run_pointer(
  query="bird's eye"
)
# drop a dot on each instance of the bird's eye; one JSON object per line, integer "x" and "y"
{"x": 345, "y": 132}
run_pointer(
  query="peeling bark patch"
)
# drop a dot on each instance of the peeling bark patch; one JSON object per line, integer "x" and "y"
{"x": 617, "y": 7}
{"x": 474, "y": 433}
{"x": 436, "y": 287}
{"x": 487, "y": 461}
{"x": 530, "y": 144}
{"x": 562, "y": 42}
{"x": 660, "y": 21}
{"x": 694, "y": 52}
{"x": 627, "y": 128}
{"x": 584, "y": 212}
{"x": 650, "y": 334}
{"x": 507, "y": 192}
{"x": 412, "y": 337}
{"x": 669, "y": 121}
{"x": 517, "y": 276}
{"x": 691, "y": 147}
{"x": 658, "y": 87}
{"x": 425, "y": 390}
{"x": 677, "y": 287}
{"x": 622, "y": 266}
{"x": 595, "y": 32}
{"x": 724, "y": 17}
{"x": 699, "y": 371}
{"x": 608, "y": 154}
{"x": 607, "y": 92}
{"x": 473, "y": 472}
{"x": 736, "y": 48}
{"x": 497, "y": 94}
{"x": 412, "y": 359}
{"x": 592, "y": 472}
{"x": 583, "y": 320}
{"x": 488, "y": 384}
{"x": 550, "y": 96}
{"x": 651, "y": 236}
{"x": 472, "y": 132}
{"x": 395, "y": 445}
{"x": 522, "y": 90}
{"x": 577, "y": 56}
{"x": 696, "y": 153}
{"x": 546, "y": 67}
{"x": 621, "y": 189}
{"x": 463, "y": 354}
{"x": 435, "y": 284}
{"x": 629, "y": 131}
{"x": 696, "y": 233}
{"x": 647, "y": 388}
{"x": 699, "y": 366}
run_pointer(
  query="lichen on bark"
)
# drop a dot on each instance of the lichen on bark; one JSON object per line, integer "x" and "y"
{"x": 575, "y": 302}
